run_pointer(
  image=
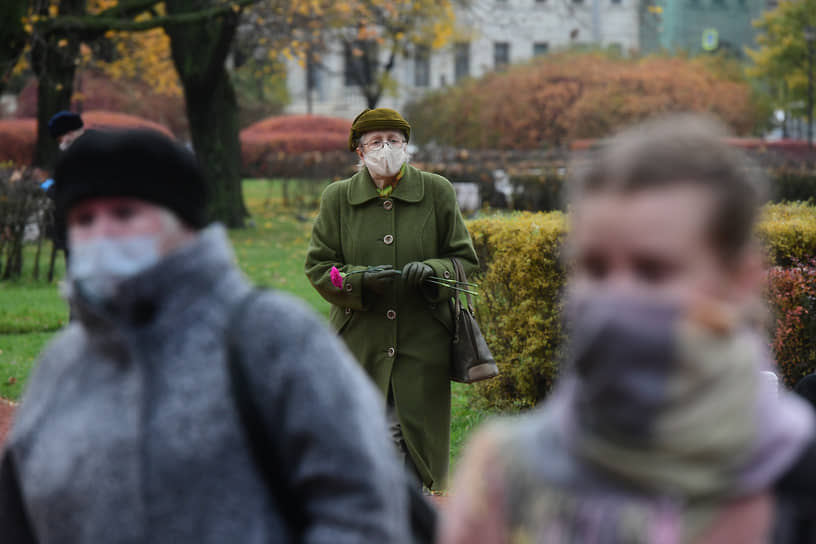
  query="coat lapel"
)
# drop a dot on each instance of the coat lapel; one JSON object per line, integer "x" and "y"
{"x": 361, "y": 188}
{"x": 409, "y": 189}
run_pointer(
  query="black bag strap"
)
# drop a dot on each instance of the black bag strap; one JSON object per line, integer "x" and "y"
{"x": 457, "y": 303}
{"x": 461, "y": 278}
{"x": 423, "y": 515}
{"x": 264, "y": 453}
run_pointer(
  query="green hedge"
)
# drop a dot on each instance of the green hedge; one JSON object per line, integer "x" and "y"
{"x": 788, "y": 232}
{"x": 523, "y": 275}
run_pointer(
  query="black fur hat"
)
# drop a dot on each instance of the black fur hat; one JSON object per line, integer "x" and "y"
{"x": 139, "y": 163}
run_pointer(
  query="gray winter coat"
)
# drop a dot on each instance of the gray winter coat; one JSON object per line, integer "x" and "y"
{"x": 128, "y": 433}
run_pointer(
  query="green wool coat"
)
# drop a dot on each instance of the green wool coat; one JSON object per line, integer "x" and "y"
{"x": 401, "y": 338}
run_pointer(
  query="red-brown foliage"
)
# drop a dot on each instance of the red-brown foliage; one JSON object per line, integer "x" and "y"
{"x": 792, "y": 297}
{"x": 277, "y": 145}
{"x": 566, "y": 97}
{"x": 284, "y": 124}
{"x": 17, "y": 140}
{"x": 110, "y": 119}
{"x": 18, "y": 137}
{"x": 96, "y": 91}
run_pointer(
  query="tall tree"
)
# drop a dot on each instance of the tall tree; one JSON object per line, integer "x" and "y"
{"x": 199, "y": 51}
{"x": 370, "y": 34}
{"x": 783, "y": 58}
{"x": 200, "y": 35}
{"x": 399, "y": 27}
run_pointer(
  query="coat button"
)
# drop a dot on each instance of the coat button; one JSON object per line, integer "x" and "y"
{"x": 391, "y": 314}
{"x": 388, "y": 205}
{"x": 388, "y": 239}
{"x": 446, "y": 274}
{"x": 349, "y": 288}
{"x": 391, "y": 352}
{"x": 347, "y": 311}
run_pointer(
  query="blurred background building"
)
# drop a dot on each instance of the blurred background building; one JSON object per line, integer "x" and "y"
{"x": 496, "y": 33}
{"x": 697, "y": 26}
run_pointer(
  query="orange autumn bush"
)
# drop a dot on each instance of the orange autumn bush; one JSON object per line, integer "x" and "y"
{"x": 110, "y": 119}
{"x": 298, "y": 146}
{"x": 570, "y": 96}
{"x": 17, "y": 140}
{"x": 283, "y": 124}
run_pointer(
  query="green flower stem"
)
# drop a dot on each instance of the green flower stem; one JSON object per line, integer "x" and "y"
{"x": 448, "y": 280}
{"x": 449, "y": 286}
{"x": 370, "y": 269}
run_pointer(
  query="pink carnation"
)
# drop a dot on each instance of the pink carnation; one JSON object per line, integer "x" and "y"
{"x": 336, "y": 277}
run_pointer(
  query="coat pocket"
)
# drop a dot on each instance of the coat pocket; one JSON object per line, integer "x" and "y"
{"x": 340, "y": 317}
{"x": 442, "y": 312}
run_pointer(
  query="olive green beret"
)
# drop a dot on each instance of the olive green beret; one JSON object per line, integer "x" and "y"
{"x": 378, "y": 119}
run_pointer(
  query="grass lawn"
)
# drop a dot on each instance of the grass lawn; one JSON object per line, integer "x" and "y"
{"x": 271, "y": 252}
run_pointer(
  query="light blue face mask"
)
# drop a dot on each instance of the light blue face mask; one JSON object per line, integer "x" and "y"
{"x": 97, "y": 267}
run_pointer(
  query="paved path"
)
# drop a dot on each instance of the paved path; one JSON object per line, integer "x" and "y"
{"x": 6, "y": 415}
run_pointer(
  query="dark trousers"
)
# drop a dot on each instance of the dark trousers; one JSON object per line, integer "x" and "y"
{"x": 395, "y": 432}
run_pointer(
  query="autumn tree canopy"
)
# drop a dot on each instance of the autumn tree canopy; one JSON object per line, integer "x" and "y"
{"x": 64, "y": 34}
{"x": 781, "y": 61}
{"x": 200, "y": 34}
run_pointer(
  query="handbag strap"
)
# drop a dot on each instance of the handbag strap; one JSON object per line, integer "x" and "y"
{"x": 264, "y": 453}
{"x": 457, "y": 303}
{"x": 462, "y": 278}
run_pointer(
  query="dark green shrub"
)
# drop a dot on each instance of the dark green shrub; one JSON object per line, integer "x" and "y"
{"x": 791, "y": 184}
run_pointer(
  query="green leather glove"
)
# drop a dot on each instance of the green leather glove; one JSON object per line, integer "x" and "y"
{"x": 378, "y": 282}
{"x": 415, "y": 273}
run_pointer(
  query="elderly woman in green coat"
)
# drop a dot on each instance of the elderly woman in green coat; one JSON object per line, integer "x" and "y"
{"x": 387, "y": 230}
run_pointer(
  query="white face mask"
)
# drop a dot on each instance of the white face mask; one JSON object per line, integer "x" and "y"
{"x": 97, "y": 267}
{"x": 385, "y": 162}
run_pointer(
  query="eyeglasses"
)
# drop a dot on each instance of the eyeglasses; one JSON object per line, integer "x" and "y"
{"x": 376, "y": 145}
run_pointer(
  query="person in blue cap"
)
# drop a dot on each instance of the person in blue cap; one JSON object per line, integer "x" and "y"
{"x": 65, "y": 127}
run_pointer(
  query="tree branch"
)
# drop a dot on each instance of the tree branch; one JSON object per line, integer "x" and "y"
{"x": 128, "y": 9}
{"x": 98, "y": 23}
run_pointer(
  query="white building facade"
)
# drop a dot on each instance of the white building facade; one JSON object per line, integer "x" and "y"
{"x": 501, "y": 32}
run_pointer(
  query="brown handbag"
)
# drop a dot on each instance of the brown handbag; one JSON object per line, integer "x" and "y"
{"x": 471, "y": 360}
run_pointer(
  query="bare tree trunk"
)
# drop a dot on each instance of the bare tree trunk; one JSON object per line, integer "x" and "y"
{"x": 310, "y": 83}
